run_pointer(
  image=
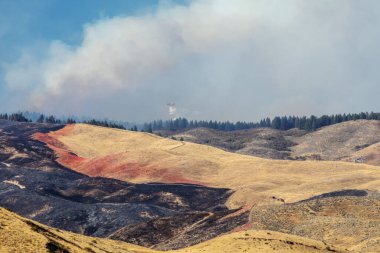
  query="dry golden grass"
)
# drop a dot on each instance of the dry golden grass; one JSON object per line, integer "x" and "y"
{"x": 142, "y": 157}
{"x": 344, "y": 221}
{"x": 20, "y": 235}
{"x": 339, "y": 141}
{"x": 369, "y": 155}
{"x": 260, "y": 242}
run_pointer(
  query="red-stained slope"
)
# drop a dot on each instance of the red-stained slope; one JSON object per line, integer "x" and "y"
{"x": 117, "y": 166}
{"x": 65, "y": 156}
{"x": 114, "y": 166}
{"x": 142, "y": 157}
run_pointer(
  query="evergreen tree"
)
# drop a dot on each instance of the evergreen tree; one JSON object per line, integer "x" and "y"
{"x": 41, "y": 119}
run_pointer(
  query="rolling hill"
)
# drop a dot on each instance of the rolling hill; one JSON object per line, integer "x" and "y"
{"x": 34, "y": 185}
{"x": 354, "y": 141}
{"x": 260, "y": 142}
{"x": 180, "y": 196}
{"x": 369, "y": 155}
{"x": 348, "y": 218}
{"x": 141, "y": 157}
{"x": 338, "y": 142}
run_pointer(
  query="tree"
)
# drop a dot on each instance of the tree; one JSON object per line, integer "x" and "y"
{"x": 51, "y": 119}
{"x": 70, "y": 121}
{"x": 276, "y": 123}
{"x": 41, "y": 119}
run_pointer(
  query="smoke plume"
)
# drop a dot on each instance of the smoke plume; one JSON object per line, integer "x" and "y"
{"x": 221, "y": 59}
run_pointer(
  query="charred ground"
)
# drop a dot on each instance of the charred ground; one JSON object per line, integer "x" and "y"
{"x": 34, "y": 185}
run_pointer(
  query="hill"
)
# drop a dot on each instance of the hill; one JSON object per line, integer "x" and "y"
{"x": 338, "y": 142}
{"x": 355, "y": 141}
{"x": 368, "y": 155}
{"x": 181, "y": 194}
{"x": 347, "y": 218}
{"x": 261, "y": 142}
{"x": 20, "y": 235}
{"x": 34, "y": 185}
{"x": 142, "y": 157}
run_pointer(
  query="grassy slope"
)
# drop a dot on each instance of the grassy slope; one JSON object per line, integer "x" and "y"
{"x": 369, "y": 155}
{"x": 347, "y": 141}
{"x": 141, "y": 157}
{"x": 20, "y": 235}
{"x": 260, "y": 142}
{"x": 347, "y": 221}
{"x": 260, "y": 241}
{"x": 340, "y": 141}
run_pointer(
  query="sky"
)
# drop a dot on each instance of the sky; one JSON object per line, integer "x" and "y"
{"x": 215, "y": 59}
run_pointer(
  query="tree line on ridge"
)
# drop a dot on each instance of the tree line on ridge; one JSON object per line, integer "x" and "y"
{"x": 310, "y": 123}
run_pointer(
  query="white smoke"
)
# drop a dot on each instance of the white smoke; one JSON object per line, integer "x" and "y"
{"x": 223, "y": 59}
{"x": 172, "y": 109}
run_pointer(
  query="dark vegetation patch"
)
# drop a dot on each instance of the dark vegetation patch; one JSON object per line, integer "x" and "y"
{"x": 310, "y": 123}
{"x": 359, "y": 147}
{"x": 54, "y": 247}
{"x": 307, "y": 123}
{"x": 341, "y": 193}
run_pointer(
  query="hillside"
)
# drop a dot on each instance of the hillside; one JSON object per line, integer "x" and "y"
{"x": 345, "y": 218}
{"x": 20, "y": 235}
{"x": 141, "y": 157}
{"x": 261, "y": 242}
{"x": 34, "y": 185}
{"x": 181, "y": 195}
{"x": 354, "y": 141}
{"x": 261, "y": 142}
{"x": 368, "y": 155}
{"x": 338, "y": 142}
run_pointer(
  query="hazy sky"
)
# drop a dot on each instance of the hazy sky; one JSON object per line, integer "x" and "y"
{"x": 216, "y": 59}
